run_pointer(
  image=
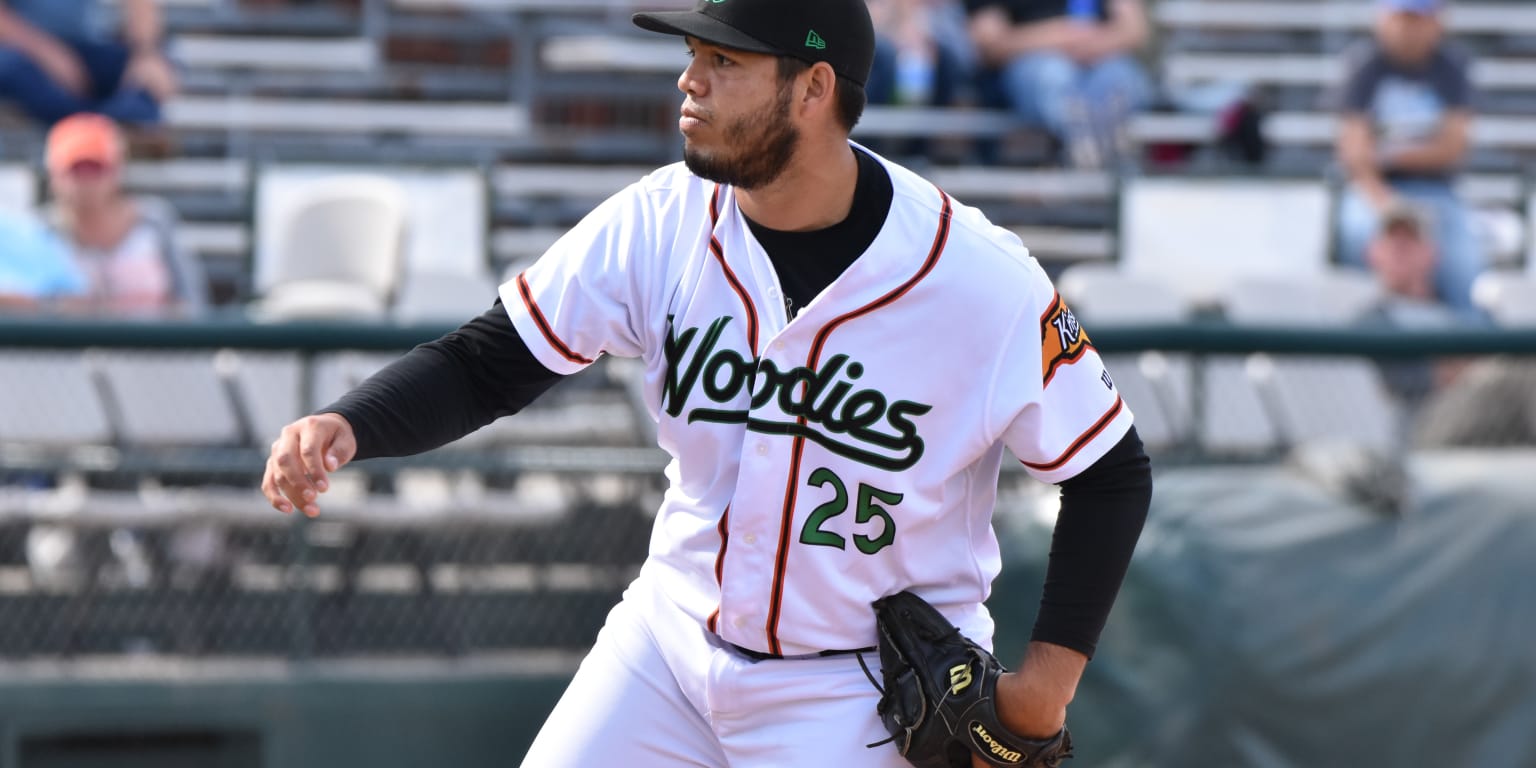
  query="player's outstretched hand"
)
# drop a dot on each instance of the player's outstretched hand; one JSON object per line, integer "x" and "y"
{"x": 302, "y": 458}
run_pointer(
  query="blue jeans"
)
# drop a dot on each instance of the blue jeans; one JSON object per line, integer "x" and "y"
{"x": 1073, "y": 100}
{"x": 29, "y": 87}
{"x": 954, "y": 65}
{"x": 1461, "y": 256}
{"x": 947, "y": 87}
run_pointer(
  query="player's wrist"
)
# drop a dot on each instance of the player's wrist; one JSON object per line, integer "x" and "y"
{"x": 1032, "y": 701}
{"x": 1029, "y": 709}
{"x": 1054, "y": 666}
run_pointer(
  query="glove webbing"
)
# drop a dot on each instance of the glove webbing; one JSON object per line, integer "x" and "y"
{"x": 872, "y": 681}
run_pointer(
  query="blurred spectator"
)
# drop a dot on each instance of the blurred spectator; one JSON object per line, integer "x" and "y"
{"x": 923, "y": 53}
{"x": 1406, "y": 113}
{"x": 1459, "y": 402}
{"x": 1402, "y": 256}
{"x": 36, "y": 272}
{"x": 124, "y": 247}
{"x": 1068, "y": 65}
{"x": 55, "y": 60}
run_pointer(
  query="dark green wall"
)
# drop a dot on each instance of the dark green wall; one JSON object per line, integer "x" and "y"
{"x": 292, "y": 722}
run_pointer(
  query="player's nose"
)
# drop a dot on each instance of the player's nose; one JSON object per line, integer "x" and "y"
{"x": 690, "y": 81}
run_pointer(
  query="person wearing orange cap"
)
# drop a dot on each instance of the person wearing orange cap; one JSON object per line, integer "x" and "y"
{"x": 55, "y": 62}
{"x": 123, "y": 246}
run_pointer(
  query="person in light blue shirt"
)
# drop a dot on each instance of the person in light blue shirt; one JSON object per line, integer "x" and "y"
{"x": 36, "y": 270}
{"x": 56, "y": 59}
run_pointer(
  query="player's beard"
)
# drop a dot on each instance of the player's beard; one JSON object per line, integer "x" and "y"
{"x": 757, "y": 148}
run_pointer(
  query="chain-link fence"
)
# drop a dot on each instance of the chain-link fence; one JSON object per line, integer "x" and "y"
{"x": 201, "y": 584}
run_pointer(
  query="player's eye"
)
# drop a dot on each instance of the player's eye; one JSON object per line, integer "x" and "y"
{"x": 721, "y": 60}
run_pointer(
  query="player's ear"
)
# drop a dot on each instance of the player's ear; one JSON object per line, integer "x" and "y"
{"x": 820, "y": 88}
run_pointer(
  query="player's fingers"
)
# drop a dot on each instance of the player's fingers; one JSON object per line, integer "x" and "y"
{"x": 292, "y": 480}
{"x": 291, "y": 485}
{"x": 270, "y": 490}
{"x": 315, "y": 440}
{"x": 343, "y": 448}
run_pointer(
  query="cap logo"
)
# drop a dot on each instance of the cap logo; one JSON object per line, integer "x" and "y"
{"x": 813, "y": 40}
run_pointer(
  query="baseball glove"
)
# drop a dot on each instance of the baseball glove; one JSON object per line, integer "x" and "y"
{"x": 938, "y": 697}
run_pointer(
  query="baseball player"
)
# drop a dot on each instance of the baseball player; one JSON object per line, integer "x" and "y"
{"x": 836, "y": 354}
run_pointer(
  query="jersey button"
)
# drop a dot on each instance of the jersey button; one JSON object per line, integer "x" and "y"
{"x": 778, "y": 346}
{"x": 739, "y": 622}
{"x": 750, "y": 538}
{"x": 762, "y": 449}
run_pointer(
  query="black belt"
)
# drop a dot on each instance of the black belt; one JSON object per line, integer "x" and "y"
{"x": 760, "y": 656}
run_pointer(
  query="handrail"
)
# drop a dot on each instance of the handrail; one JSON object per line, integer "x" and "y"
{"x": 1211, "y": 337}
{"x": 221, "y": 333}
{"x": 1225, "y": 338}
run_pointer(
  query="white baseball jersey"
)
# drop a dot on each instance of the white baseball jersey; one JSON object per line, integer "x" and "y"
{"x": 823, "y": 462}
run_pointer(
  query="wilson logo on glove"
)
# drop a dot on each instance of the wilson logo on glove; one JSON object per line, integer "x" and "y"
{"x": 986, "y": 743}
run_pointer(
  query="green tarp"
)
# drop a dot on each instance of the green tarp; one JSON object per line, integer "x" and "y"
{"x": 1271, "y": 621}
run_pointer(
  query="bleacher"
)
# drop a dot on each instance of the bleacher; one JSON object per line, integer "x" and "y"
{"x": 1292, "y": 50}
{"x": 537, "y": 86}
{"x": 556, "y": 104}
{"x": 564, "y": 91}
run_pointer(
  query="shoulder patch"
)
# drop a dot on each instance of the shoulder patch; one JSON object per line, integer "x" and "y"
{"x": 1063, "y": 340}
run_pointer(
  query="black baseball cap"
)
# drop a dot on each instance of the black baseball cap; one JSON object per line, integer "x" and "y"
{"x": 838, "y": 32}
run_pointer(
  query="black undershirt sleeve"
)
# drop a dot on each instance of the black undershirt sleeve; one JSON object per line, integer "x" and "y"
{"x": 445, "y": 389}
{"x": 1102, "y": 512}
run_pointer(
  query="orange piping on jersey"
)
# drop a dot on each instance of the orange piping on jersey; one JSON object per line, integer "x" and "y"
{"x": 786, "y": 522}
{"x": 538, "y": 319}
{"x": 1082, "y": 440}
{"x": 781, "y": 559}
{"x": 725, "y": 538}
{"x": 730, "y": 276}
